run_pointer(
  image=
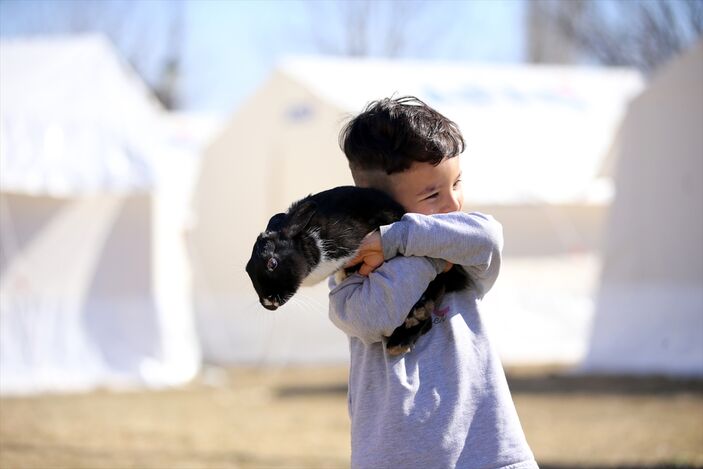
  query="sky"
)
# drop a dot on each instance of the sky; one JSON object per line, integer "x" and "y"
{"x": 227, "y": 48}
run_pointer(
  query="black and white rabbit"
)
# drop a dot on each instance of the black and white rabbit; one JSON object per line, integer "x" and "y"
{"x": 318, "y": 235}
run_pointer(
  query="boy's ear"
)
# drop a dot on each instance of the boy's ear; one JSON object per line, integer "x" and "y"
{"x": 276, "y": 222}
{"x": 300, "y": 218}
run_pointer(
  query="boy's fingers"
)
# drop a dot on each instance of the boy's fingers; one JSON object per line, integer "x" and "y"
{"x": 369, "y": 251}
{"x": 360, "y": 257}
{"x": 371, "y": 263}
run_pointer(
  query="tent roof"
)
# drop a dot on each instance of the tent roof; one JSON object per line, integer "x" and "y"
{"x": 74, "y": 118}
{"x": 534, "y": 133}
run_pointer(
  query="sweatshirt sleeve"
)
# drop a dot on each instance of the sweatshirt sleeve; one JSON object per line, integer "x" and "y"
{"x": 370, "y": 308}
{"x": 472, "y": 240}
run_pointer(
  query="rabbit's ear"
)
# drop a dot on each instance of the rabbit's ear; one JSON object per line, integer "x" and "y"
{"x": 300, "y": 216}
{"x": 276, "y": 222}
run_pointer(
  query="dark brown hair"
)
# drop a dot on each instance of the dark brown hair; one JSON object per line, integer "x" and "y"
{"x": 392, "y": 133}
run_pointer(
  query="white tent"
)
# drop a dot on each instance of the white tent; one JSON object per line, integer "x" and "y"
{"x": 649, "y": 316}
{"x": 535, "y": 137}
{"x": 95, "y": 287}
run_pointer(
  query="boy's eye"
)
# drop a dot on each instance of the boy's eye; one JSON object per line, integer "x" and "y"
{"x": 433, "y": 196}
{"x": 458, "y": 181}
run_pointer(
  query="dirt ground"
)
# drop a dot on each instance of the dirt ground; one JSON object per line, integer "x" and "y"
{"x": 297, "y": 418}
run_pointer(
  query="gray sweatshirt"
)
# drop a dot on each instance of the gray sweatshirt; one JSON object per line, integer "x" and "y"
{"x": 446, "y": 403}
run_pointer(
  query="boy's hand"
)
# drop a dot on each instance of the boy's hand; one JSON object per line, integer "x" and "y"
{"x": 370, "y": 254}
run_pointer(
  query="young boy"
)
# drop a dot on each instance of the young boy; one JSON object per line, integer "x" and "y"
{"x": 446, "y": 403}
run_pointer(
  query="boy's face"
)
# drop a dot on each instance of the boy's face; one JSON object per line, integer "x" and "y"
{"x": 428, "y": 189}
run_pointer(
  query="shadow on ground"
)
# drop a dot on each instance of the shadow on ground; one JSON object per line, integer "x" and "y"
{"x": 639, "y": 466}
{"x": 316, "y": 390}
{"x": 547, "y": 383}
{"x": 602, "y": 384}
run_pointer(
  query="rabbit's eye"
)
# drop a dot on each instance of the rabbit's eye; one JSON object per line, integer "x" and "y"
{"x": 271, "y": 264}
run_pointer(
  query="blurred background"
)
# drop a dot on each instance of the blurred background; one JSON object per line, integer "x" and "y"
{"x": 145, "y": 144}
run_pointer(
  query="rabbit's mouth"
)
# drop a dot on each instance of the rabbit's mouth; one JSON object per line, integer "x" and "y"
{"x": 273, "y": 302}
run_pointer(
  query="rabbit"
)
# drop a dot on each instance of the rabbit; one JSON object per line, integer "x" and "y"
{"x": 318, "y": 235}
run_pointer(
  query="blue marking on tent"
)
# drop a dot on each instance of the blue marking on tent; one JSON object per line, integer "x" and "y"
{"x": 299, "y": 113}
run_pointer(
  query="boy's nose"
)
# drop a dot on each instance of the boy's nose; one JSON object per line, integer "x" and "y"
{"x": 452, "y": 204}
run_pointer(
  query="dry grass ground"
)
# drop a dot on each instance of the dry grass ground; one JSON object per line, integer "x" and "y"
{"x": 297, "y": 418}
